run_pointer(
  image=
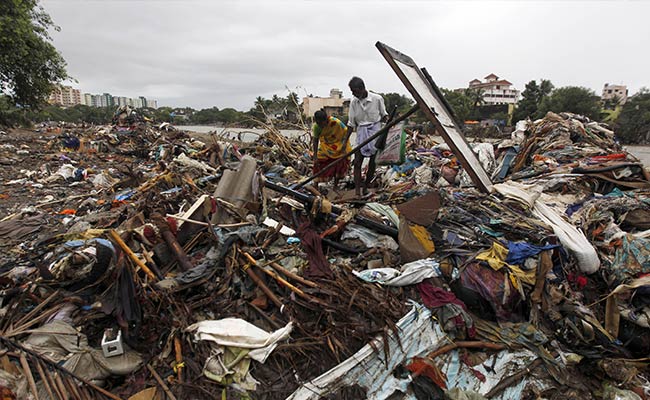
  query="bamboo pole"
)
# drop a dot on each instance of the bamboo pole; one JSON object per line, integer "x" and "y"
{"x": 178, "y": 350}
{"x": 258, "y": 281}
{"x": 61, "y": 386}
{"x": 463, "y": 344}
{"x": 72, "y": 387}
{"x": 44, "y": 379}
{"x": 131, "y": 254}
{"x": 59, "y": 368}
{"x": 283, "y": 281}
{"x": 28, "y": 374}
{"x": 161, "y": 382}
{"x": 38, "y": 308}
{"x": 293, "y": 276}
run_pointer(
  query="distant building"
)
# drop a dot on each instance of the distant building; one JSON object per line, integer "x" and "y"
{"x": 139, "y": 102}
{"x": 97, "y": 100}
{"x": 65, "y": 96}
{"x": 495, "y": 90}
{"x": 334, "y": 105}
{"x": 612, "y": 92}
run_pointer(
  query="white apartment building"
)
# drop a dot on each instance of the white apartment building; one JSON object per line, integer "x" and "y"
{"x": 495, "y": 90}
{"x": 66, "y": 96}
{"x": 88, "y": 99}
{"x": 615, "y": 91}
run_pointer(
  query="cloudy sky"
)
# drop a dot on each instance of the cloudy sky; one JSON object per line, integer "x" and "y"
{"x": 226, "y": 53}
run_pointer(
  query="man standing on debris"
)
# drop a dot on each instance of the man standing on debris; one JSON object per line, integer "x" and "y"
{"x": 331, "y": 141}
{"x": 367, "y": 112}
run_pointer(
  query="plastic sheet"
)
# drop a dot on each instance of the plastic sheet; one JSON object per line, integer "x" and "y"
{"x": 569, "y": 236}
{"x": 235, "y": 332}
{"x": 411, "y": 273}
{"x": 368, "y": 237}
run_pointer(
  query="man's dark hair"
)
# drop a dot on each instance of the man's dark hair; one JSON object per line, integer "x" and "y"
{"x": 320, "y": 116}
{"x": 357, "y": 82}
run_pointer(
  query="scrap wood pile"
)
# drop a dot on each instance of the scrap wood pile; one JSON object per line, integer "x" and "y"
{"x": 138, "y": 262}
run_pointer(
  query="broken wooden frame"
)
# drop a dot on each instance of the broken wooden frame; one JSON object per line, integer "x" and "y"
{"x": 437, "y": 110}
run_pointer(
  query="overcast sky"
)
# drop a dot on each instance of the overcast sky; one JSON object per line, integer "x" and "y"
{"x": 226, "y": 53}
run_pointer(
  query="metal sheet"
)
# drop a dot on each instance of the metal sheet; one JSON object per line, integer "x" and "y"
{"x": 437, "y": 110}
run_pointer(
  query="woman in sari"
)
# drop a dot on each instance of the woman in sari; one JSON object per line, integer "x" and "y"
{"x": 330, "y": 143}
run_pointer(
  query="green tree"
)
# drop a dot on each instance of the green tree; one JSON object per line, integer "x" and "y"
{"x": 476, "y": 98}
{"x": 205, "y": 116}
{"x": 462, "y": 102}
{"x": 574, "y": 99}
{"x": 162, "y": 114}
{"x": 392, "y": 100}
{"x": 10, "y": 115}
{"x": 532, "y": 97}
{"x": 545, "y": 88}
{"x": 229, "y": 116}
{"x": 78, "y": 113}
{"x": 612, "y": 103}
{"x": 633, "y": 123}
{"x": 29, "y": 63}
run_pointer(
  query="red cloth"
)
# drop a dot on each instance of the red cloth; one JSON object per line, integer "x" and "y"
{"x": 449, "y": 307}
{"x": 434, "y": 297}
{"x": 318, "y": 265}
{"x": 609, "y": 157}
{"x": 339, "y": 170}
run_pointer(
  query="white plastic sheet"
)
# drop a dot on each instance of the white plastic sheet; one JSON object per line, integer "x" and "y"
{"x": 569, "y": 235}
{"x": 411, "y": 273}
{"x": 191, "y": 163}
{"x": 485, "y": 152}
{"x": 235, "y": 332}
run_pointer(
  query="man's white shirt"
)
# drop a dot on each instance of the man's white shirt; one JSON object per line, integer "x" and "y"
{"x": 366, "y": 111}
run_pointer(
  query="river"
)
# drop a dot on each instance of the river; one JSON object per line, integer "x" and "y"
{"x": 250, "y": 134}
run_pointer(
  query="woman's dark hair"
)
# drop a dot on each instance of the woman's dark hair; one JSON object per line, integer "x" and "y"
{"x": 320, "y": 116}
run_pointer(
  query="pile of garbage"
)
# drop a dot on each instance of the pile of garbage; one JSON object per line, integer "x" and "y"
{"x": 138, "y": 262}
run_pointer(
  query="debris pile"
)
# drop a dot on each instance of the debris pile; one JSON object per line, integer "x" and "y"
{"x": 140, "y": 262}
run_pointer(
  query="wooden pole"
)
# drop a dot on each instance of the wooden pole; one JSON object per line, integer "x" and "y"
{"x": 283, "y": 281}
{"x": 161, "y": 382}
{"x": 28, "y": 374}
{"x": 178, "y": 351}
{"x": 131, "y": 254}
{"x": 293, "y": 276}
{"x": 162, "y": 224}
{"x": 44, "y": 378}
